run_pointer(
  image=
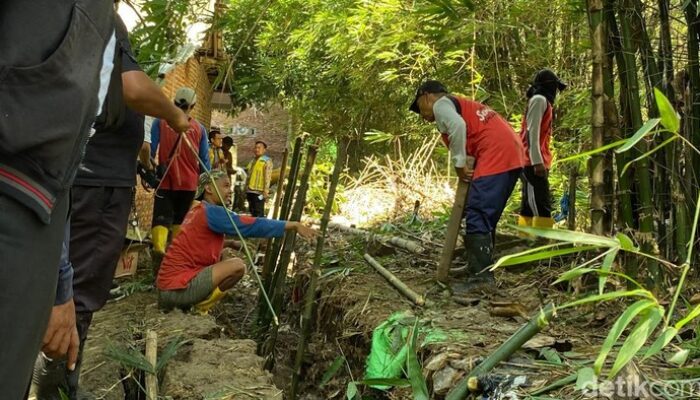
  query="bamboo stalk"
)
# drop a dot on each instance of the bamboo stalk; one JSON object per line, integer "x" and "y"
{"x": 410, "y": 245}
{"x": 310, "y": 297}
{"x": 396, "y": 282}
{"x": 510, "y": 346}
{"x": 280, "y": 184}
{"x": 597, "y": 161}
{"x": 151, "y": 357}
{"x": 280, "y": 274}
{"x": 556, "y": 385}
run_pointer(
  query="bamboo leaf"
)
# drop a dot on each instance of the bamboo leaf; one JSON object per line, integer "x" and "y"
{"x": 591, "y": 152}
{"x": 332, "y": 370}
{"x": 586, "y": 379}
{"x": 625, "y": 242}
{"x": 669, "y": 118}
{"x": 616, "y": 331}
{"x": 691, "y": 316}
{"x": 396, "y": 382}
{"x": 605, "y": 269}
{"x": 573, "y": 273}
{"x": 643, "y": 131}
{"x": 636, "y": 339}
{"x": 415, "y": 374}
{"x": 679, "y": 358}
{"x": 662, "y": 341}
{"x": 351, "y": 392}
{"x": 540, "y": 253}
{"x": 610, "y": 296}
{"x": 648, "y": 153}
{"x": 570, "y": 236}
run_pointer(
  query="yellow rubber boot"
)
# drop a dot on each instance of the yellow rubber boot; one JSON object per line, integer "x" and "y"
{"x": 542, "y": 222}
{"x": 524, "y": 221}
{"x": 159, "y": 236}
{"x": 205, "y": 305}
{"x": 175, "y": 230}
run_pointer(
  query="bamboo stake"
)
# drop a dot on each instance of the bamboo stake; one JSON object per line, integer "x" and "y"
{"x": 151, "y": 357}
{"x": 280, "y": 274}
{"x": 405, "y": 244}
{"x": 396, "y": 282}
{"x": 510, "y": 346}
{"x": 280, "y": 184}
{"x": 310, "y": 297}
{"x": 453, "y": 227}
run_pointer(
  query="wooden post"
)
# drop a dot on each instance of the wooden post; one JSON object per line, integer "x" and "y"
{"x": 395, "y": 282}
{"x": 151, "y": 357}
{"x": 453, "y": 227}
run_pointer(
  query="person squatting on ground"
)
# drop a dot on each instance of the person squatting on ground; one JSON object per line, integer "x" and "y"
{"x": 180, "y": 170}
{"x": 536, "y": 133}
{"x": 471, "y": 128}
{"x": 101, "y": 201}
{"x": 259, "y": 180}
{"x": 52, "y": 83}
{"x": 192, "y": 272}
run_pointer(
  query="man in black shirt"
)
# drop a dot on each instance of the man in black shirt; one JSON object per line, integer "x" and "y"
{"x": 101, "y": 201}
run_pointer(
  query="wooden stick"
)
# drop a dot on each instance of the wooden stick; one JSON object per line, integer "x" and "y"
{"x": 396, "y": 282}
{"x": 280, "y": 185}
{"x": 510, "y": 346}
{"x": 410, "y": 245}
{"x": 151, "y": 357}
{"x": 453, "y": 225}
{"x": 310, "y": 297}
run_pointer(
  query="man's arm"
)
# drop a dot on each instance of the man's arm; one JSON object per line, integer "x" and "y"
{"x": 449, "y": 121}
{"x": 219, "y": 222}
{"x": 535, "y": 111}
{"x": 141, "y": 94}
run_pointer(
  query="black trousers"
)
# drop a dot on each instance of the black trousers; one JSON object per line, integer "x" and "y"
{"x": 29, "y": 254}
{"x": 536, "y": 198}
{"x": 99, "y": 217}
{"x": 256, "y": 205}
{"x": 171, "y": 206}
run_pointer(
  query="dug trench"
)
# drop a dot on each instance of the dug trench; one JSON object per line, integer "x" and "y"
{"x": 214, "y": 356}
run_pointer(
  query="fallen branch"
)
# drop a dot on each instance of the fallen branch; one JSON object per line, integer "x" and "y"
{"x": 151, "y": 357}
{"x": 396, "y": 282}
{"x": 510, "y": 346}
{"x": 410, "y": 245}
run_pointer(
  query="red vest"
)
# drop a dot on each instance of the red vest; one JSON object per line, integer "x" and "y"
{"x": 193, "y": 249}
{"x": 183, "y": 173}
{"x": 545, "y": 136}
{"x": 490, "y": 139}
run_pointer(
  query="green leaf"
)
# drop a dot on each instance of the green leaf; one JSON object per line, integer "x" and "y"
{"x": 574, "y": 273}
{"x": 669, "y": 118}
{"x": 679, "y": 358}
{"x": 586, "y": 379}
{"x": 610, "y": 296}
{"x": 643, "y": 131}
{"x": 332, "y": 370}
{"x": 640, "y": 334}
{"x": 415, "y": 374}
{"x": 691, "y": 316}
{"x": 648, "y": 153}
{"x": 540, "y": 253}
{"x": 625, "y": 242}
{"x": 550, "y": 355}
{"x": 570, "y": 236}
{"x": 662, "y": 341}
{"x": 351, "y": 392}
{"x": 591, "y": 152}
{"x": 396, "y": 382}
{"x": 616, "y": 331}
{"x": 605, "y": 269}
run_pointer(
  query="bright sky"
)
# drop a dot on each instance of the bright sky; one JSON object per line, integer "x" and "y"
{"x": 195, "y": 32}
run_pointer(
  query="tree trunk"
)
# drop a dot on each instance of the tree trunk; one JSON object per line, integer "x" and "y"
{"x": 597, "y": 162}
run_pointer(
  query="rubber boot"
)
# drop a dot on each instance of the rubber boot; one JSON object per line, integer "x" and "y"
{"x": 524, "y": 221}
{"x": 159, "y": 237}
{"x": 205, "y": 305}
{"x": 479, "y": 250}
{"x": 542, "y": 222}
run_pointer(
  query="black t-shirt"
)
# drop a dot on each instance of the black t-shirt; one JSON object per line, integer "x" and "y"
{"x": 110, "y": 155}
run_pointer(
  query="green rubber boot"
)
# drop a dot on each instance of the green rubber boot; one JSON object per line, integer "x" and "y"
{"x": 478, "y": 249}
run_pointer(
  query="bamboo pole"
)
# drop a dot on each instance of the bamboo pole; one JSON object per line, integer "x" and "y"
{"x": 280, "y": 184}
{"x": 453, "y": 225}
{"x": 597, "y": 161}
{"x": 395, "y": 282}
{"x": 277, "y": 286}
{"x": 310, "y": 297}
{"x": 151, "y": 357}
{"x": 410, "y": 245}
{"x": 510, "y": 346}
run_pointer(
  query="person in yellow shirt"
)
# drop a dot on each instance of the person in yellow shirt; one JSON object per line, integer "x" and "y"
{"x": 259, "y": 178}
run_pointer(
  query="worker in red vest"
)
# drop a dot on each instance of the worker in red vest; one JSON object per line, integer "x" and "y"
{"x": 536, "y": 132}
{"x": 471, "y": 128}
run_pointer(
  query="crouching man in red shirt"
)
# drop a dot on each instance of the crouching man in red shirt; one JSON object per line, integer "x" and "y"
{"x": 191, "y": 272}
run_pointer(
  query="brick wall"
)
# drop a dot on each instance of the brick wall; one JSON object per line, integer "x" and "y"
{"x": 191, "y": 74}
{"x": 270, "y": 124}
